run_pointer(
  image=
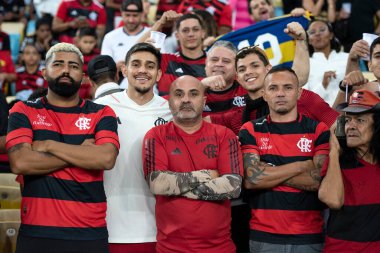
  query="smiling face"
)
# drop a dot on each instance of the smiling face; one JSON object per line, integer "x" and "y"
{"x": 251, "y": 72}
{"x": 220, "y": 61}
{"x": 359, "y": 130}
{"x": 142, "y": 71}
{"x": 260, "y": 10}
{"x": 132, "y": 20}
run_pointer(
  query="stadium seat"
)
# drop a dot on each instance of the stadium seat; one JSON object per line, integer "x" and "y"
{"x": 16, "y": 34}
{"x": 8, "y": 179}
{"x": 10, "y": 197}
{"x": 10, "y": 215}
{"x": 8, "y": 236}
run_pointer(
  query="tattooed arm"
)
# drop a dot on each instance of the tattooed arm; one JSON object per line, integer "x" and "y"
{"x": 225, "y": 187}
{"x": 24, "y": 161}
{"x": 203, "y": 184}
{"x": 311, "y": 178}
{"x": 170, "y": 183}
{"x": 260, "y": 175}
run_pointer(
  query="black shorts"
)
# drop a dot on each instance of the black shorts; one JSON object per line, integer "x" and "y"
{"x": 27, "y": 244}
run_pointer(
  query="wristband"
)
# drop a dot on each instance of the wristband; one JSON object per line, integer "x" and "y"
{"x": 343, "y": 88}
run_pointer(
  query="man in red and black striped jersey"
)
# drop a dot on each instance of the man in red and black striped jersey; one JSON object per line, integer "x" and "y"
{"x": 220, "y": 68}
{"x": 190, "y": 60}
{"x": 74, "y": 14}
{"x": 350, "y": 186}
{"x": 219, "y": 9}
{"x": 194, "y": 168}
{"x": 283, "y": 154}
{"x": 61, "y": 144}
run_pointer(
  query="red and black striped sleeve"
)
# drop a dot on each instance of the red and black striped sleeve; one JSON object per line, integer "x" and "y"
{"x": 19, "y": 126}
{"x": 106, "y": 128}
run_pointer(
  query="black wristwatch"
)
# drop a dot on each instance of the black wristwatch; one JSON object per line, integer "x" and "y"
{"x": 343, "y": 88}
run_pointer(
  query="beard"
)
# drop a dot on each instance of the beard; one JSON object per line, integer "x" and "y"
{"x": 143, "y": 91}
{"x": 63, "y": 90}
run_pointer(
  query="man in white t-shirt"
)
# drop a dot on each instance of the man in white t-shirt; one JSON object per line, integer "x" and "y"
{"x": 130, "y": 204}
{"x": 117, "y": 42}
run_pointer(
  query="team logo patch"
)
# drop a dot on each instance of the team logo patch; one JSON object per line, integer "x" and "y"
{"x": 304, "y": 145}
{"x": 239, "y": 101}
{"x": 83, "y": 123}
{"x": 41, "y": 121}
{"x": 93, "y": 16}
{"x": 210, "y": 151}
{"x": 176, "y": 151}
{"x": 160, "y": 121}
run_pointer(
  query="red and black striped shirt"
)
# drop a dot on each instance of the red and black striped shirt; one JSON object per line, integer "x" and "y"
{"x": 27, "y": 81}
{"x": 283, "y": 214}
{"x": 219, "y": 9}
{"x": 176, "y": 65}
{"x": 69, "y": 203}
{"x": 355, "y": 227}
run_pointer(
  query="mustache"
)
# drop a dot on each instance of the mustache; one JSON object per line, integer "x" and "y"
{"x": 66, "y": 76}
{"x": 186, "y": 106}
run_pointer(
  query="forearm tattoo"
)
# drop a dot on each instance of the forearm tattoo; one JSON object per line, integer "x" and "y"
{"x": 254, "y": 169}
{"x": 170, "y": 183}
{"x": 221, "y": 188}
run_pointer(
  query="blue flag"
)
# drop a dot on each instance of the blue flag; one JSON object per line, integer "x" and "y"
{"x": 269, "y": 35}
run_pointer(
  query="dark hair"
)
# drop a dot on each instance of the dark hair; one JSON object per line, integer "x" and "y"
{"x": 372, "y": 47}
{"x": 280, "y": 68}
{"x": 207, "y": 18}
{"x": 249, "y": 5}
{"x": 334, "y": 42}
{"x": 189, "y": 16}
{"x": 28, "y": 44}
{"x": 349, "y": 156}
{"x": 244, "y": 52}
{"x": 138, "y": 3}
{"x": 45, "y": 20}
{"x": 87, "y": 31}
{"x": 144, "y": 47}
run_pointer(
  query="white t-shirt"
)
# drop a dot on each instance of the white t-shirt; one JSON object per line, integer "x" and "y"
{"x": 130, "y": 204}
{"x": 318, "y": 66}
{"x": 117, "y": 44}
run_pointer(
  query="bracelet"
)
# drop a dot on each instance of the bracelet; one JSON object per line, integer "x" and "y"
{"x": 343, "y": 88}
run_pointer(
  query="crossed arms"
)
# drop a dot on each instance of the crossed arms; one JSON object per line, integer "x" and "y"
{"x": 201, "y": 184}
{"x": 303, "y": 175}
{"x": 44, "y": 157}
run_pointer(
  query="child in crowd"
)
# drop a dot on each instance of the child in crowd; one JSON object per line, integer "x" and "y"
{"x": 29, "y": 76}
{"x": 43, "y": 37}
{"x": 86, "y": 42}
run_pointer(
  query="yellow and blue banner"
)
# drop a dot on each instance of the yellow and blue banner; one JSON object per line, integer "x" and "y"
{"x": 269, "y": 35}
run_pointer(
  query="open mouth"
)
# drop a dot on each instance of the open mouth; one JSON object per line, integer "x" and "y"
{"x": 251, "y": 79}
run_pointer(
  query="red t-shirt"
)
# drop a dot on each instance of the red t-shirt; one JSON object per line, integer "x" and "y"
{"x": 183, "y": 224}
{"x": 69, "y": 10}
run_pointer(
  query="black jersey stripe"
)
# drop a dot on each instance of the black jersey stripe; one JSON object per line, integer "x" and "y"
{"x": 53, "y": 188}
{"x": 297, "y": 239}
{"x": 355, "y": 223}
{"x": 64, "y": 233}
{"x": 292, "y": 201}
{"x": 73, "y": 139}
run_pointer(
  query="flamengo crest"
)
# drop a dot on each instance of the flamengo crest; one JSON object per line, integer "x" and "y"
{"x": 83, "y": 123}
{"x": 304, "y": 144}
